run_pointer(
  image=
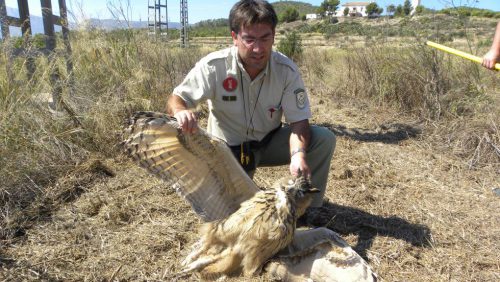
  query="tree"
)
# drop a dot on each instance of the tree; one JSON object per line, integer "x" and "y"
{"x": 373, "y": 9}
{"x": 328, "y": 7}
{"x": 391, "y": 9}
{"x": 419, "y": 10}
{"x": 346, "y": 11}
{"x": 399, "y": 11}
{"x": 290, "y": 15}
{"x": 291, "y": 45}
{"x": 407, "y": 7}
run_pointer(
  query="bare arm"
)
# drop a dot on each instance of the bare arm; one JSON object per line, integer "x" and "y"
{"x": 186, "y": 118}
{"x": 493, "y": 55}
{"x": 299, "y": 141}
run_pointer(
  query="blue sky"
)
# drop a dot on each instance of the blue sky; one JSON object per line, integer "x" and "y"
{"x": 203, "y": 9}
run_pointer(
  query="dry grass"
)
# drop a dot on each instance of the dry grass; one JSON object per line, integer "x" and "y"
{"x": 456, "y": 99}
{"x": 409, "y": 188}
{"x": 112, "y": 80}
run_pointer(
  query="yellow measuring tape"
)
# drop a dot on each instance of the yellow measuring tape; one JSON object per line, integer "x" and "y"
{"x": 459, "y": 53}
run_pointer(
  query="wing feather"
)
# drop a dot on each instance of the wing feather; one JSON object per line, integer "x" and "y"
{"x": 200, "y": 167}
{"x": 319, "y": 255}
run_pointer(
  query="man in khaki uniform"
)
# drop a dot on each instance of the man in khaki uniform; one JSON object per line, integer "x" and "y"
{"x": 249, "y": 89}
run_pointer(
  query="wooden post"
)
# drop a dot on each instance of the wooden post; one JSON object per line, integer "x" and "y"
{"x": 4, "y": 22}
{"x": 50, "y": 45}
{"x": 3, "y": 19}
{"x": 24, "y": 16}
{"x": 49, "y": 20}
{"x": 48, "y": 25}
{"x": 68, "y": 54}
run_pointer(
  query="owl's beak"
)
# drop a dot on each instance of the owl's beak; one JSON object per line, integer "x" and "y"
{"x": 311, "y": 190}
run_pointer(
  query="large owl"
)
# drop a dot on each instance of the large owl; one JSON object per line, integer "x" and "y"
{"x": 247, "y": 229}
{"x": 260, "y": 228}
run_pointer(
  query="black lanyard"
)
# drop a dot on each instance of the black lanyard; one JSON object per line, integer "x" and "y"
{"x": 248, "y": 125}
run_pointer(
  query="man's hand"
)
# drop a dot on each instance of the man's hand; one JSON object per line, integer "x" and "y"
{"x": 186, "y": 118}
{"x": 299, "y": 140}
{"x": 490, "y": 59}
{"x": 298, "y": 163}
{"x": 493, "y": 56}
{"x": 187, "y": 121}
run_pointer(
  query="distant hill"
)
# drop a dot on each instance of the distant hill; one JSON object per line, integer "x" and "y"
{"x": 107, "y": 24}
{"x": 224, "y": 22}
{"x": 110, "y": 24}
{"x": 301, "y": 7}
{"x": 471, "y": 11}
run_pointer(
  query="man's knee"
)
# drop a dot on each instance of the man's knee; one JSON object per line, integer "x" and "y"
{"x": 323, "y": 138}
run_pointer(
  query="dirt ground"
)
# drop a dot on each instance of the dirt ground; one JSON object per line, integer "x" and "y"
{"x": 412, "y": 209}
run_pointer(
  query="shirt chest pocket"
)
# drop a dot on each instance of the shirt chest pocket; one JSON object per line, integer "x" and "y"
{"x": 228, "y": 102}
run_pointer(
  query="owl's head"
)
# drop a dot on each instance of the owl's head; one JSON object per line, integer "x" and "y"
{"x": 300, "y": 190}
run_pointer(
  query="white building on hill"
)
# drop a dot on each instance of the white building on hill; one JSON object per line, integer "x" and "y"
{"x": 311, "y": 16}
{"x": 414, "y": 4}
{"x": 356, "y": 9}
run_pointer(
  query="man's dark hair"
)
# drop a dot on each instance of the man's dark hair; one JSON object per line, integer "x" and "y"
{"x": 248, "y": 12}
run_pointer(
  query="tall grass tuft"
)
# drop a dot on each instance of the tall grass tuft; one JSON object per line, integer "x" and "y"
{"x": 415, "y": 79}
{"x": 459, "y": 97}
{"x": 115, "y": 74}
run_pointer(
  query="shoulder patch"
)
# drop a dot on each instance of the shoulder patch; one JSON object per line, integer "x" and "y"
{"x": 300, "y": 98}
{"x": 298, "y": 90}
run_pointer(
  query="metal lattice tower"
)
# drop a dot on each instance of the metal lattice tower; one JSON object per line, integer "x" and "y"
{"x": 157, "y": 18}
{"x": 184, "y": 23}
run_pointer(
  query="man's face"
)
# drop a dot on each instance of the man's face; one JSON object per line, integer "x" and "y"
{"x": 255, "y": 43}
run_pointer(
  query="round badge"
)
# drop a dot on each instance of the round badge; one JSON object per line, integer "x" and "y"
{"x": 230, "y": 84}
{"x": 301, "y": 98}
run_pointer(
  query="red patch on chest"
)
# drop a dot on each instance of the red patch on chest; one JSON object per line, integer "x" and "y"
{"x": 230, "y": 84}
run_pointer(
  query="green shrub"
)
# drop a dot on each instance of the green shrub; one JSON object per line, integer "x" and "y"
{"x": 486, "y": 43}
{"x": 291, "y": 45}
{"x": 290, "y": 15}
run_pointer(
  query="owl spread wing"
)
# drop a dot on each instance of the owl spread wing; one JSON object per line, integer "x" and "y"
{"x": 319, "y": 255}
{"x": 199, "y": 166}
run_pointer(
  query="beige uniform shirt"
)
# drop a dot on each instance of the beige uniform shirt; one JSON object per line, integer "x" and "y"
{"x": 240, "y": 109}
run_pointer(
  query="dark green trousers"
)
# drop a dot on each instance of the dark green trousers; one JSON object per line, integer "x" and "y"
{"x": 318, "y": 156}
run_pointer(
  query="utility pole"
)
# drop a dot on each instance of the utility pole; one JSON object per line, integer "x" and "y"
{"x": 184, "y": 23}
{"x": 157, "y": 18}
